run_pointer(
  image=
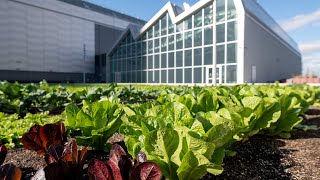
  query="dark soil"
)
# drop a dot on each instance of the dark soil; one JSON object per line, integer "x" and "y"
{"x": 261, "y": 157}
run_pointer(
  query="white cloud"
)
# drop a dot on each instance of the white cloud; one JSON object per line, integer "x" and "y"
{"x": 301, "y": 20}
{"x": 310, "y": 47}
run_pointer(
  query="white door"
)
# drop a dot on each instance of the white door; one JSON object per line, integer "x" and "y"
{"x": 209, "y": 75}
{"x": 219, "y": 74}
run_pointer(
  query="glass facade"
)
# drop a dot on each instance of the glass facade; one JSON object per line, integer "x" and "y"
{"x": 182, "y": 52}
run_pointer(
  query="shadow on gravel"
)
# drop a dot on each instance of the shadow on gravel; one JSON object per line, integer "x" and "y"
{"x": 313, "y": 111}
{"x": 312, "y": 121}
{"x": 299, "y": 134}
{"x": 258, "y": 158}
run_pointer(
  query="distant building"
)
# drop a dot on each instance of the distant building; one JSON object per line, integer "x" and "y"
{"x": 57, "y": 40}
{"x": 212, "y": 42}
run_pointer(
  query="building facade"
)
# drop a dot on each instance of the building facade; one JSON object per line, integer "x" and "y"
{"x": 212, "y": 42}
{"x": 57, "y": 40}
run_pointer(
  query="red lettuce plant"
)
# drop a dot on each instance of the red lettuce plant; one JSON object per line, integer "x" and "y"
{"x": 120, "y": 167}
{"x": 8, "y": 171}
{"x": 64, "y": 163}
{"x": 40, "y": 138}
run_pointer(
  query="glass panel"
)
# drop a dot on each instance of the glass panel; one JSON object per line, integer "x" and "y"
{"x": 188, "y": 58}
{"x": 164, "y": 60}
{"x": 204, "y": 75}
{"x": 188, "y": 23}
{"x": 171, "y": 42}
{"x": 197, "y": 57}
{"x": 134, "y": 49}
{"x": 129, "y": 65}
{"x": 198, "y": 19}
{"x": 118, "y": 66}
{"x": 231, "y": 74}
{"x": 188, "y": 39}
{"x": 179, "y": 76}
{"x": 197, "y": 75}
{"x": 133, "y": 77}
{"x": 150, "y": 46}
{"x": 179, "y": 59}
{"x": 156, "y": 62}
{"x": 232, "y": 31}
{"x": 163, "y": 44}
{"x": 134, "y": 64}
{"x": 150, "y": 33}
{"x": 123, "y": 65}
{"x": 129, "y": 50}
{"x": 129, "y": 39}
{"x": 144, "y": 47}
{"x": 157, "y": 30}
{"x": 171, "y": 76}
{"x": 156, "y": 45}
{"x": 171, "y": 59}
{"x": 139, "y": 48}
{"x": 208, "y": 15}
{"x": 179, "y": 41}
{"x": 217, "y": 75}
{"x": 144, "y": 76}
{"x": 164, "y": 25}
{"x": 210, "y": 72}
{"x": 144, "y": 62}
{"x": 170, "y": 26}
{"x": 188, "y": 75}
{"x": 208, "y": 35}
{"x": 208, "y": 56}
{"x": 198, "y": 37}
{"x": 139, "y": 77}
{"x": 150, "y": 76}
{"x": 150, "y": 62}
{"x": 124, "y": 51}
{"x": 144, "y": 36}
{"x": 231, "y": 53}
{"x": 112, "y": 66}
{"x": 129, "y": 77}
{"x": 232, "y": 13}
{"x": 123, "y": 77}
{"x": 179, "y": 27}
{"x": 164, "y": 76}
{"x": 112, "y": 78}
{"x": 156, "y": 76}
{"x": 222, "y": 75}
{"x": 220, "y": 10}
{"x": 220, "y": 33}
{"x": 139, "y": 63}
{"x": 220, "y": 54}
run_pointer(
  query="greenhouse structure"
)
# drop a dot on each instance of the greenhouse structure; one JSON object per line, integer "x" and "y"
{"x": 211, "y": 42}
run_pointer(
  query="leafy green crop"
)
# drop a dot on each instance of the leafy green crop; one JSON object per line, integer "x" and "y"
{"x": 12, "y": 127}
{"x": 97, "y": 122}
{"x": 184, "y": 147}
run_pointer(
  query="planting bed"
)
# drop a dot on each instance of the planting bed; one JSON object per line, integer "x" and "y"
{"x": 261, "y": 157}
{"x": 184, "y": 131}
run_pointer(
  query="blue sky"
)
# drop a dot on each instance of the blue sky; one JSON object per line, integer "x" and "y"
{"x": 301, "y": 19}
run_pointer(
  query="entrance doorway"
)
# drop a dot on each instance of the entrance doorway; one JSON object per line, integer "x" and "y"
{"x": 218, "y": 76}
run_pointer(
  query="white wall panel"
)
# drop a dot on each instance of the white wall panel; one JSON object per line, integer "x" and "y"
{"x": 35, "y": 39}
{"x": 17, "y": 36}
{"x": 4, "y": 39}
{"x": 273, "y": 59}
